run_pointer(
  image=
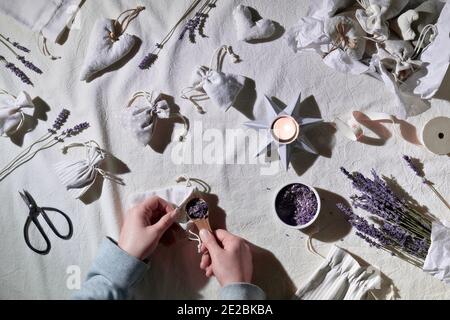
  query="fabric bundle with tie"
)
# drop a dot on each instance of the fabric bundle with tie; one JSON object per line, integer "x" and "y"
{"x": 12, "y": 111}
{"x": 79, "y": 176}
{"x": 142, "y": 119}
{"x": 211, "y": 83}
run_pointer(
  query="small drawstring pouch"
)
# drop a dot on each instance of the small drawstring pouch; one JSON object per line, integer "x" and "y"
{"x": 249, "y": 29}
{"x": 12, "y": 112}
{"x": 142, "y": 118}
{"x": 346, "y": 34}
{"x": 340, "y": 277}
{"x": 375, "y": 14}
{"x": 78, "y": 176}
{"x": 108, "y": 43}
{"x": 178, "y": 195}
{"x": 211, "y": 83}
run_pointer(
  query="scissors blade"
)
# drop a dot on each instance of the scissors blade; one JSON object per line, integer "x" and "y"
{"x": 31, "y": 202}
{"x": 25, "y": 199}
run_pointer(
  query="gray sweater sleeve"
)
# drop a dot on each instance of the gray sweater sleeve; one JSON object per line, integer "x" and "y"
{"x": 114, "y": 273}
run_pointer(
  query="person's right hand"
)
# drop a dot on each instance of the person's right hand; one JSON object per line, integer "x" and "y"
{"x": 226, "y": 256}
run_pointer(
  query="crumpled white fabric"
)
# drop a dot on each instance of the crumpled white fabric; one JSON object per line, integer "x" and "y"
{"x": 43, "y": 16}
{"x": 220, "y": 87}
{"x": 373, "y": 18}
{"x": 102, "y": 51}
{"x": 309, "y": 35}
{"x": 437, "y": 262}
{"x": 80, "y": 175}
{"x": 141, "y": 119}
{"x": 177, "y": 195}
{"x": 247, "y": 29}
{"x": 12, "y": 111}
{"x": 340, "y": 277}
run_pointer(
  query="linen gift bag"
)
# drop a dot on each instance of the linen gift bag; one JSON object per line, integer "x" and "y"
{"x": 12, "y": 111}
{"x": 141, "y": 118}
{"x": 108, "y": 43}
{"x": 211, "y": 83}
{"x": 340, "y": 277}
{"x": 250, "y": 29}
{"x": 79, "y": 176}
{"x": 49, "y": 18}
{"x": 178, "y": 196}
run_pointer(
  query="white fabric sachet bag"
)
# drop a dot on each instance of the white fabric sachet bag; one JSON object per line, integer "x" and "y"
{"x": 79, "y": 176}
{"x": 437, "y": 262}
{"x": 142, "y": 118}
{"x": 108, "y": 43}
{"x": 248, "y": 29}
{"x": 211, "y": 83}
{"x": 12, "y": 111}
{"x": 49, "y": 18}
{"x": 340, "y": 277}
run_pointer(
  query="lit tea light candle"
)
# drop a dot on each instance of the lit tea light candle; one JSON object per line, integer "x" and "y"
{"x": 285, "y": 129}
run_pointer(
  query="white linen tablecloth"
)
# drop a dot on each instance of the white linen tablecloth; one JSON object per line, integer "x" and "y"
{"x": 242, "y": 196}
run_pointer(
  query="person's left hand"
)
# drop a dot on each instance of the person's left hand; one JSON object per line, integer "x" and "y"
{"x": 144, "y": 226}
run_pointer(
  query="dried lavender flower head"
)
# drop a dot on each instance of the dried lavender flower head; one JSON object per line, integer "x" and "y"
{"x": 148, "y": 61}
{"x": 197, "y": 208}
{"x": 296, "y": 204}
{"x": 60, "y": 120}
{"x": 76, "y": 130}
{"x": 416, "y": 166}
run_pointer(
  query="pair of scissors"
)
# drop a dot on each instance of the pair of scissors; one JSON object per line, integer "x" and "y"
{"x": 33, "y": 215}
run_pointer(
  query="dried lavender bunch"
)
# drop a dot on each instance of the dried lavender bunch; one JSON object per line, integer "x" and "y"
{"x": 197, "y": 23}
{"x": 19, "y": 73}
{"x": 29, "y": 64}
{"x": 402, "y": 230}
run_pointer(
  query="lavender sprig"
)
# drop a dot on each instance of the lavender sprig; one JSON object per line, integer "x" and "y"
{"x": 76, "y": 130}
{"x": 148, "y": 61}
{"x": 60, "y": 120}
{"x": 29, "y": 64}
{"x": 15, "y": 44}
{"x": 19, "y": 73}
{"x": 417, "y": 167}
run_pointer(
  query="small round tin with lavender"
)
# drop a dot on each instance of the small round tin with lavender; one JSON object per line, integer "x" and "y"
{"x": 297, "y": 205}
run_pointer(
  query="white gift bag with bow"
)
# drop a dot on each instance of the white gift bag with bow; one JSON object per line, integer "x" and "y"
{"x": 13, "y": 110}
{"x": 437, "y": 262}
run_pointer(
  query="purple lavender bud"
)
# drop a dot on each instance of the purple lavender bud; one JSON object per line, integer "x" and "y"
{"x": 148, "y": 61}
{"x": 61, "y": 119}
{"x": 29, "y": 64}
{"x": 296, "y": 204}
{"x": 20, "y": 47}
{"x": 416, "y": 166}
{"x": 76, "y": 130}
{"x": 19, "y": 73}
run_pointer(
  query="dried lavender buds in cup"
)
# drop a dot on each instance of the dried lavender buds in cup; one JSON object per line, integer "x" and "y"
{"x": 197, "y": 208}
{"x": 297, "y": 205}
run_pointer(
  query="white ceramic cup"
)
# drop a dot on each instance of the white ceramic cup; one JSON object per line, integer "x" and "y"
{"x": 303, "y": 226}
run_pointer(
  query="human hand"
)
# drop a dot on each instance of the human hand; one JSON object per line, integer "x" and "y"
{"x": 226, "y": 256}
{"x": 144, "y": 226}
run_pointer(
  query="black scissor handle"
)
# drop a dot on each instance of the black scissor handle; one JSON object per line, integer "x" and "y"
{"x": 52, "y": 226}
{"x": 41, "y": 231}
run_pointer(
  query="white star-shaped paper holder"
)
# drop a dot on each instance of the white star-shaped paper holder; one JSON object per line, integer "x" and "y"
{"x": 274, "y": 112}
